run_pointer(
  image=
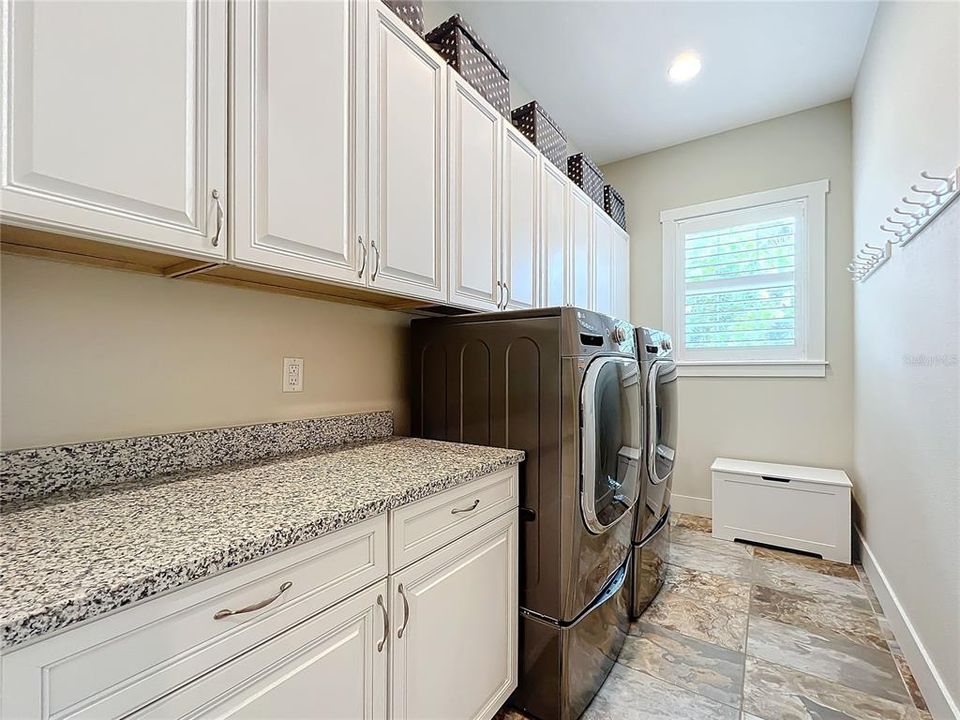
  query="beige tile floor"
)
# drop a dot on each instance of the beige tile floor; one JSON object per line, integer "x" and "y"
{"x": 748, "y": 633}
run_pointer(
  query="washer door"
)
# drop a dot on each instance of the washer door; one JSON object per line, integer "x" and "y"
{"x": 611, "y": 450}
{"x": 662, "y": 419}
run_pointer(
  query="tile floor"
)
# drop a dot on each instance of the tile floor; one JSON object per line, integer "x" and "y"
{"x": 747, "y": 633}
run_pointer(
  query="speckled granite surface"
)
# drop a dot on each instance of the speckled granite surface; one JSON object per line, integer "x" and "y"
{"x": 37, "y": 472}
{"x": 79, "y": 554}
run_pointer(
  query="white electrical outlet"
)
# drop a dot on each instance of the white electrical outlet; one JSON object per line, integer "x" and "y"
{"x": 292, "y": 374}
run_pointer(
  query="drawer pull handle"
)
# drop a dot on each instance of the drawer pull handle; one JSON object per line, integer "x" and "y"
{"x": 221, "y": 614}
{"x": 771, "y": 478}
{"x": 386, "y": 624}
{"x": 469, "y": 509}
{"x": 406, "y": 611}
{"x": 216, "y": 236}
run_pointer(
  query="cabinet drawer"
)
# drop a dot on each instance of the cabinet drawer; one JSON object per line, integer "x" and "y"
{"x": 327, "y": 668}
{"x": 422, "y": 527}
{"x": 120, "y": 663}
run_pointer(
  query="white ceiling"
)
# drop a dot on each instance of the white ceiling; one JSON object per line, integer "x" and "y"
{"x": 600, "y": 68}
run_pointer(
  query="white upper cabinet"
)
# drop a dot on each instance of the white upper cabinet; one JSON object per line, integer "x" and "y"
{"x": 621, "y": 273}
{"x": 602, "y": 261}
{"x": 580, "y": 253}
{"x": 474, "y": 197}
{"x": 520, "y": 246}
{"x": 116, "y": 121}
{"x": 407, "y": 175}
{"x": 459, "y": 602}
{"x": 554, "y": 250}
{"x": 298, "y": 116}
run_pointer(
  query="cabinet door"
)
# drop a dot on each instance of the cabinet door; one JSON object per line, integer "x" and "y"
{"x": 116, "y": 117}
{"x": 459, "y": 602}
{"x": 407, "y": 174}
{"x": 602, "y": 261}
{"x": 473, "y": 149}
{"x": 328, "y": 668}
{"x": 553, "y": 235}
{"x": 296, "y": 168}
{"x": 580, "y": 254}
{"x": 621, "y": 273}
{"x": 520, "y": 243}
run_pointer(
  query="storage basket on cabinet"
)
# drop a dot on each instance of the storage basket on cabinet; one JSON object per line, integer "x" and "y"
{"x": 585, "y": 173}
{"x": 466, "y": 53}
{"x": 540, "y": 129}
{"x": 410, "y": 11}
{"x": 613, "y": 204}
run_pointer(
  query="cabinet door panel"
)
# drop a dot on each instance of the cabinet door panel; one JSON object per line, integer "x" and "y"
{"x": 115, "y": 133}
{"x": 602, "y": 262}
{"x": 520, "y": 246}
{"x": 407, "y": 157}
{"x": 295, "y": 153}
{"x": 621, "y": 273}
{"x": 326, "y": 668}
{"x": 553, "y": 235}
{"x": 474, "y": 211}
{"x": 462, "y": 603}
{"x": 581, "y": 248}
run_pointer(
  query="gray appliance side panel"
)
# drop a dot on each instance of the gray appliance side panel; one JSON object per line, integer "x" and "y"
{"x": 498, "y": 383}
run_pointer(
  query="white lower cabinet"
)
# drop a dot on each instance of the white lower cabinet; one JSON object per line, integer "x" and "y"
{"x": 454, "y": 651}
{"x": 331, "y": 667}
{"x": 321, "y": 630}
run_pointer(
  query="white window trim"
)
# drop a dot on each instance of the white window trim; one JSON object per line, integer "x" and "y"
{"x": 814, "y": 362}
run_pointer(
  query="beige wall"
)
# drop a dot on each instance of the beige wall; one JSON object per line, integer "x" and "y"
{"x": 91, "y": 354}
{"x": 907, "y": 399}
{"x": 791, "y": 420}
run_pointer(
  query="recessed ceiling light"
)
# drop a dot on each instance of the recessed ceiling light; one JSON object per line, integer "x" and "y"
{"x": 685, "y": 66}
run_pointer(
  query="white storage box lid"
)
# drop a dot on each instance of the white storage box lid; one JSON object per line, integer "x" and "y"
{"x": 823, "y": 476}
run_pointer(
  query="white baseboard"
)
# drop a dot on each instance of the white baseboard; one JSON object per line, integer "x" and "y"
{"x": 935, "y": 692}
{"x": 689, "y": 505}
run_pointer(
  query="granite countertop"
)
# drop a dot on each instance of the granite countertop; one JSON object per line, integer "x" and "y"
{"x": 76, "y": 555}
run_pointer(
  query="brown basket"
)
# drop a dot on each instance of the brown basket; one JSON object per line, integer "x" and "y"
{"x": 410, "y": 11}
{"x": 466, "y": 53}
{"x": 540, "y": 129}
{"x": 585, "y": 173}
{"x": 613, "y": 204}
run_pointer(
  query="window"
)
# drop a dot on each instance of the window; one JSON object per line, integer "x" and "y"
{"x": 744, "y": 283}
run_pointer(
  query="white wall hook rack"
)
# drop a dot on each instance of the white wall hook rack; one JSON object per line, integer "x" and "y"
{"x": 909, "y": 223}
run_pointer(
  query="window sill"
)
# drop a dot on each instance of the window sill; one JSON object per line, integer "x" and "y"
{"x": 758, "y": 368}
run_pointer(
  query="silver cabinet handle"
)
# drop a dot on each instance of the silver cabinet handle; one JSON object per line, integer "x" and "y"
{"x": 499, "y": 295}
{"x": 221, "y": 614}
{"x": 469, "y": 509}
{"x": 386, "y": 624}
{"x": 506, "y": 295}
{"x": 363, "y": 263}
{"x": 216, "y": 235}
{"x": 376, "y": 262}
{"x": 406, "y": 611}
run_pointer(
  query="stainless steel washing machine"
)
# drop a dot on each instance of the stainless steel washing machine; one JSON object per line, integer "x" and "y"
{"x": 651, "y": 529}
{"x": 564, "y": 385}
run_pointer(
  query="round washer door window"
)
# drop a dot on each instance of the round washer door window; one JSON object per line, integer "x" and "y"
{"x": 611, "y": 450}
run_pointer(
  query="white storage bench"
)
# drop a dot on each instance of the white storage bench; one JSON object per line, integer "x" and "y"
{"x": 800, "y": 508}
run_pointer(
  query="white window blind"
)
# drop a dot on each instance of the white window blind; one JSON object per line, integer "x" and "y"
{"x": 739, "y": 283}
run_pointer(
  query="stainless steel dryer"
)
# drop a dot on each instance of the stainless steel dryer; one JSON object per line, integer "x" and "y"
{"x": 563, "y": 384}
{"x": 651, "y": 532}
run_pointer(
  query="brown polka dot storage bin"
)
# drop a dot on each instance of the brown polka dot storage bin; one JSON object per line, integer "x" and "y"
{"x": 613, "y": 204}
{"x": 410, "y": 11}
{"x": 585, "y": 173}
{"x": 466, "y": 53}
{"x": 540, "y": 129}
